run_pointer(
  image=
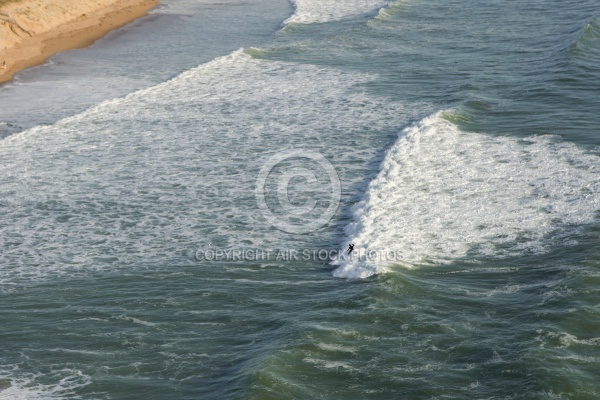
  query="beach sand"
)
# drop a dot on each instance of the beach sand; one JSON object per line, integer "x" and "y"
{"x": 33, "y": 30}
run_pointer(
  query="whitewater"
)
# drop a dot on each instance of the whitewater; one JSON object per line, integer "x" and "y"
{"x": 460, "y": 137}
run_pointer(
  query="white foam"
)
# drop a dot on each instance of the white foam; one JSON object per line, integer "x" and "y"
{"x": 328, "y": 364}
{"x": 318, "y": 11}
{"x": 565, "y": 340}
{"x": 138, "y": 321}
{"x": 64, "y": 385}
{"x": 444, "y": 194}
{"x": 334, "y": 347}
{"x": 157, "y": 175}
{"x": 78, "y": 351}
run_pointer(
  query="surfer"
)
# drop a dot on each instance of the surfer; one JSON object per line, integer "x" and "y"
{"x": 350, "y": 248}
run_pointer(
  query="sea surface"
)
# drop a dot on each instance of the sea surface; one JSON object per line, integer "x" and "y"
{"x": 176, "y": 202}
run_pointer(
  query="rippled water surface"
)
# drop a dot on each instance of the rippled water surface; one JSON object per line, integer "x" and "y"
{"x": 465, "y": 139}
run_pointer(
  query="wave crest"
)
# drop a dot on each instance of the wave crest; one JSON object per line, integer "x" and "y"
{"x": 443, "y": 194}
{"x": 319, "y": 11}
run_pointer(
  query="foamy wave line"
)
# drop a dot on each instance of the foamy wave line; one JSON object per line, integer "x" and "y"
{"x": 28, "y": 387}
{"x": 62, "y": 219}
{"x": 443, "y": 194}
{"x": 319, "y": 11}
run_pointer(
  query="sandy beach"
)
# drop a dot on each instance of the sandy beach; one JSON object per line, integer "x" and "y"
{"x": 33, "y": 30}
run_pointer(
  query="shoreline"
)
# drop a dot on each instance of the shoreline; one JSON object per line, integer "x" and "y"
{"x": 34, "y": 48}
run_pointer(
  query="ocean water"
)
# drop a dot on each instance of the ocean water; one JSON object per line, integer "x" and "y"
{"x": 147, "y": 251}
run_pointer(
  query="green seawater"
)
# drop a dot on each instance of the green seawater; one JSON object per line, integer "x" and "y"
{"x": 106, "y": 299}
